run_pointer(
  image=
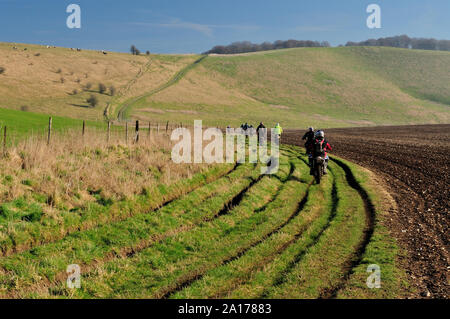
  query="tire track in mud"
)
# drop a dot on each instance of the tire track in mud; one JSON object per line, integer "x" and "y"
{"x": 45, "y": 285}
{"x": 368, "y": 230}
{"x": 357, "y": 257}
{"x": 70, "y": 231}
{"x": 195, "y": 277}
{"x": 279, "y": 280}
{"x": 280, "y": 189}
{"x": 129, "y": 252}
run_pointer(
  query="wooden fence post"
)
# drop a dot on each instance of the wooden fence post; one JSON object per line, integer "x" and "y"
{"x": 167, "y": 127}
{"x": 84, "y": 128}
{"x": 109, "y": 131}
{"x": 4, "y": 140}
{"x": 49, "y": 130}
{"x": 126, "y": 132}
{"x": 157, "y": 127}
{"x": 137, "y": 132}
{"x": 149, "y": 129}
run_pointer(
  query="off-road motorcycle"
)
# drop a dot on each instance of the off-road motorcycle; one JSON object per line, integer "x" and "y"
{"x": 318, "y": 167}
{"x": 317, "y": 160}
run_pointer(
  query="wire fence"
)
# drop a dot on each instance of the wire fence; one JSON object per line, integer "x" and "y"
{"x": 111, "y": 131}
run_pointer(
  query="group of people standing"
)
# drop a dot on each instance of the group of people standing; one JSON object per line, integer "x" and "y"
{"x": 249, "y": 128}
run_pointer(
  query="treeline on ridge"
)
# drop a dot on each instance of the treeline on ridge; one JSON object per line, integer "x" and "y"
{"x": 247, "y": 46}
{"x": 400, "y": 41}
{"x": 403, "y": 41}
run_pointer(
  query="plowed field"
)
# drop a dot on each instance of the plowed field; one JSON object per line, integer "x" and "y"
{"x": 413, "y": 161}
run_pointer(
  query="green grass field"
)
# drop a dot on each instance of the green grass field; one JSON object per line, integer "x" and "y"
{"x": 24, "y": 124}
{"x": 228, "y": 232}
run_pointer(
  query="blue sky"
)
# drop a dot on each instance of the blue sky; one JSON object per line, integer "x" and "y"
{"x": 185, "y": 26}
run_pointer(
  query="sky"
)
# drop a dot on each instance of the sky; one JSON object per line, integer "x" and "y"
{"x": 195, "y": 26}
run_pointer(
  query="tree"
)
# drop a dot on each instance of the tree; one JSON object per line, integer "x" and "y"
{"x": 444, "y": 45}
{"x": 134, "y": 50}
{"x": 2, "y": 70}
{"x": 101, "y": 88}
{"x": 424, "y": 44}
{"x": 403, "y": 41}
{"x": 88, "y": 86}
{"x": 266, "y": 46}
{"x": 92, "y": 100}
{"x": 148, "y": 52}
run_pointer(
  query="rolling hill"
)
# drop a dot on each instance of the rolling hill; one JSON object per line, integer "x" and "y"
{"x": 43, "y": 80}
{"x": 326, "y": 87}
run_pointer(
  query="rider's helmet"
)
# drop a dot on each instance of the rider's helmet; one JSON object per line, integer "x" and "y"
{"x": 320, "y": 135}
{"x": 311, "y": 129}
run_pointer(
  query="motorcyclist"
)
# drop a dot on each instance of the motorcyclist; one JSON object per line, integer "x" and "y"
{"x": 309, "y": 137}
{"x": 319, "y": 139}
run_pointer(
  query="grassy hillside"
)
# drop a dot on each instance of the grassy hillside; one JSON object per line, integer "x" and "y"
{"x": 43, "y": 80}
{"x": 326, "y": 87}
{"x": 320, "y": 86}
{"x": 422, "y": 74}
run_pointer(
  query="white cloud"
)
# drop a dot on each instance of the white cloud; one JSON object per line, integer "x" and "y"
{"x": 206, "y": 29}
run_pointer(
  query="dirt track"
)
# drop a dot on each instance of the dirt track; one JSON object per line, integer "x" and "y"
{"x": 413, "y": 160}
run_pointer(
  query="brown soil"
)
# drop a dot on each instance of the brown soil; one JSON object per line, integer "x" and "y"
{"x": 413, "y": 161}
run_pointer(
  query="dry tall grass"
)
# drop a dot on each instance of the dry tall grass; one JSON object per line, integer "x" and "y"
{"x": 45, "y": 79}
{"x": 72, "y": 169}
